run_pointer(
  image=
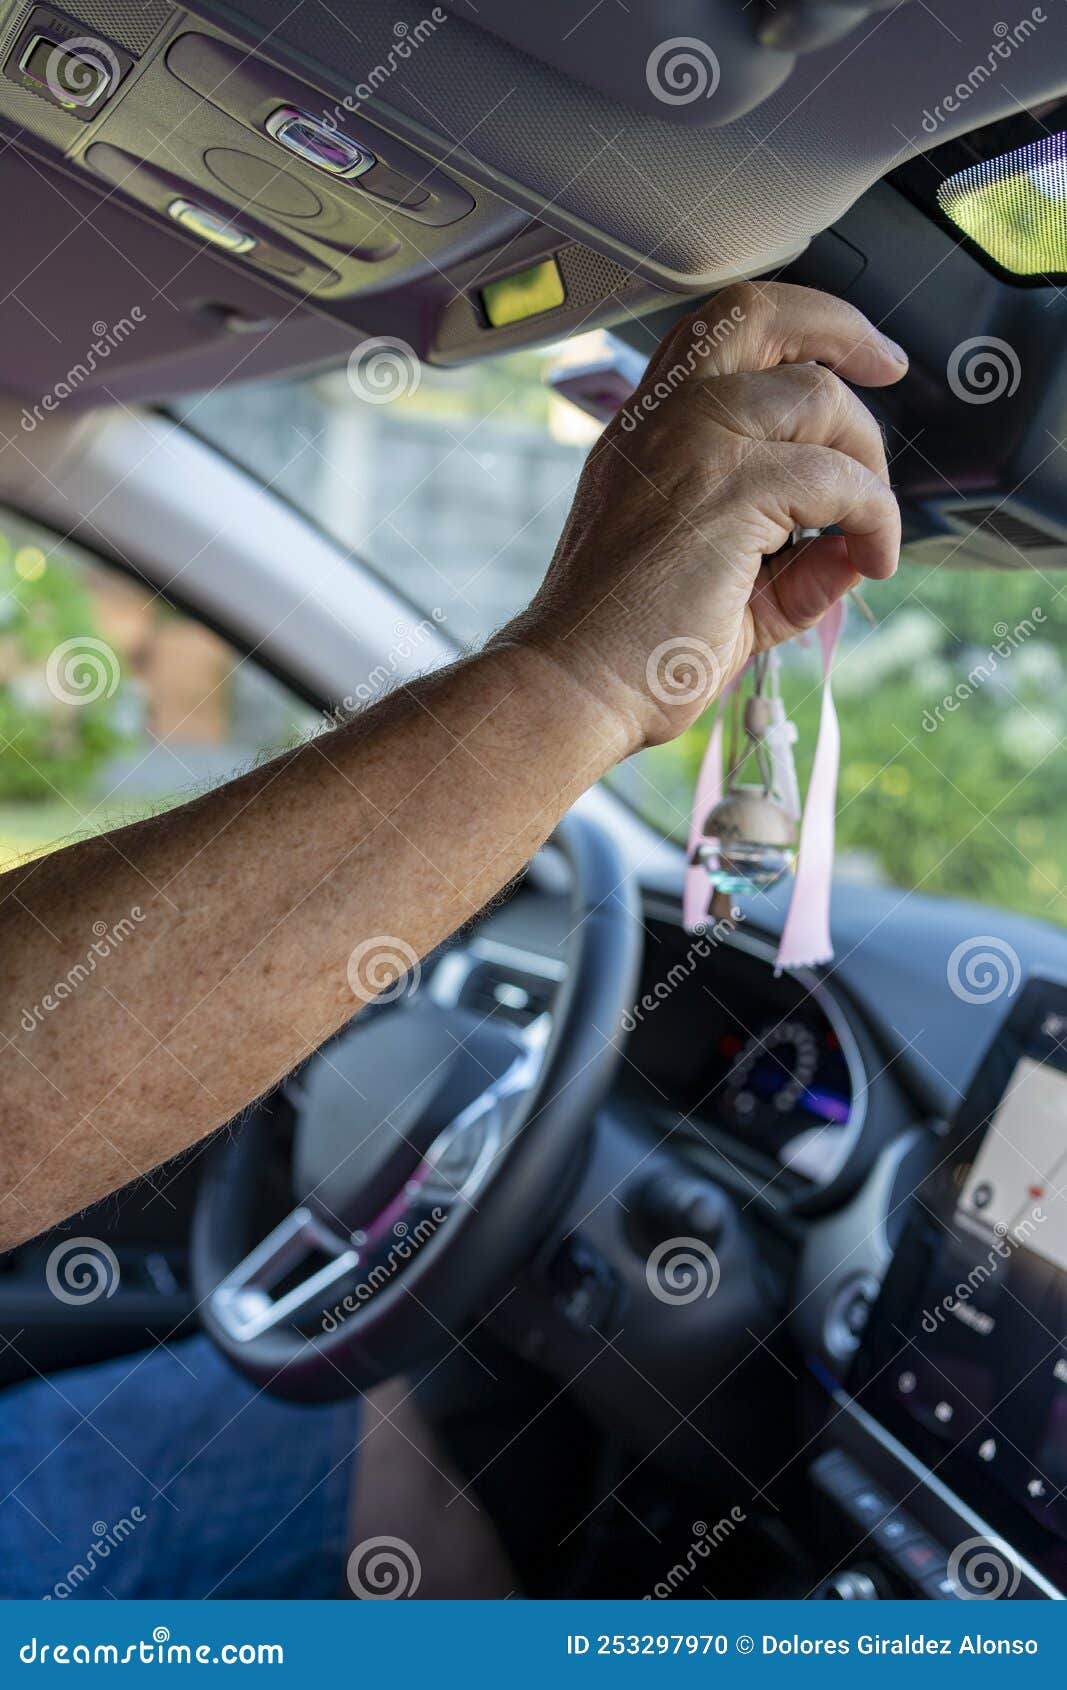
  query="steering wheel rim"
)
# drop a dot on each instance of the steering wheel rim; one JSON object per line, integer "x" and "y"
{"x": 444, "y": 1285}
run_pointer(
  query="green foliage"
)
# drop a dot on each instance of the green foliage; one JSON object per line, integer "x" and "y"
{"x": 46, "y": 745}
{"x": 969, "y": 799}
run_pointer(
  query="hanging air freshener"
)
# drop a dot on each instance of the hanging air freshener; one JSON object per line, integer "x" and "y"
{"x": 747, "y": 834}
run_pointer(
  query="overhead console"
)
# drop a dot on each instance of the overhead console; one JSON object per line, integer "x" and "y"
{"x": 468, "y": 183}
{"x": 274, "y": 184}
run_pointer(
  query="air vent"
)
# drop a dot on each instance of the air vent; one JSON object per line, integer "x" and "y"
{"x": 998, "y": 534}
{"x": 998, "y": 522}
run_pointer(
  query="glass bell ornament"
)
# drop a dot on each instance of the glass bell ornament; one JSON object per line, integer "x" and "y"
{"x": 749, "y": 837}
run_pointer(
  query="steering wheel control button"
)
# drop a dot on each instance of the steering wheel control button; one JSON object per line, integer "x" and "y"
{"x": 210, "y": 227}
{"x": 318, "y": 143}
{"x": 583, "y": 1286}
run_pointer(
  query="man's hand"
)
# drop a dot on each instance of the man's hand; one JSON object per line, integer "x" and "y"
{"x": 742, "y": 430}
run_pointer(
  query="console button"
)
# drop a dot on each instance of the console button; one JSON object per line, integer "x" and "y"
{"x": 868, "y": 1505}
{"x": 896, "y": 1530}
{"x": 210, "y": 226}
{"x": 318, "y": 143}
{"x": 940, "y": 1589}
{"x": 922, "y": 1559}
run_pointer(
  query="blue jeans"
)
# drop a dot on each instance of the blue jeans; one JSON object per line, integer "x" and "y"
{"x": 165, "y": 1474}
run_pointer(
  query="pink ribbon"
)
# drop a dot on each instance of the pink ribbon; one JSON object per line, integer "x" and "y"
{"x": 805, "y": 939}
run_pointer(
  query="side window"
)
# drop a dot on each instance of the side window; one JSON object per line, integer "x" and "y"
{"x": 112, "y": 703}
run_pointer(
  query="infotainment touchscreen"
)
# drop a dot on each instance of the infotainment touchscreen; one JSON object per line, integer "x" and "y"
{"x": 965, "y": 1357}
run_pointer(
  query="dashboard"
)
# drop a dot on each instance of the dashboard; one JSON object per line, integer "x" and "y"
{"x": 826, "y": 1107}
{"x": 764, "y": 1066}
{"x": 965, "y": 1358}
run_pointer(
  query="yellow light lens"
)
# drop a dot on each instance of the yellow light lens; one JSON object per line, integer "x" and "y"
{"x": 1015, "y": 207}
{"x": 526, "y": 294}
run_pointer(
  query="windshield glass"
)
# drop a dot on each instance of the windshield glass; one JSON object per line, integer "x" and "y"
{"x": 953, "y": 703}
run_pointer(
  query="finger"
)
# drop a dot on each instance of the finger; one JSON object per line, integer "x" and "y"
{"x": 816, "y": 487}
{"x": 804, "y": 403}
{"x": 754, "y": 326}
{"x": 795, "y": 590}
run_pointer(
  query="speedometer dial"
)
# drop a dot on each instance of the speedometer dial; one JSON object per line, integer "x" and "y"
{"x": 786, "y": 1078}
{"x": 775, "y": 1070}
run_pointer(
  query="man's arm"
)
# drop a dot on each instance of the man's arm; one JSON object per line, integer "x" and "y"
{"x": 384, "y": 836}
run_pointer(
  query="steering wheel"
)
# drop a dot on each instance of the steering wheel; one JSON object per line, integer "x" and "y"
{"x": 433, "y": 1147}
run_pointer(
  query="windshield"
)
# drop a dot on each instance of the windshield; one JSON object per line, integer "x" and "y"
{"x": 953, "y": 698}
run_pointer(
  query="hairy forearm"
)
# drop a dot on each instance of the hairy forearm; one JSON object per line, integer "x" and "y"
{"x": 224, "y": 931}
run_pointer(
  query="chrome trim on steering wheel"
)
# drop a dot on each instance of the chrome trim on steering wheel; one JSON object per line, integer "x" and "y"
{"x": 242, "y": 1303}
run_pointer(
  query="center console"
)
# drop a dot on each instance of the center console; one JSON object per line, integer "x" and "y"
{"x": 951, "y": 1430}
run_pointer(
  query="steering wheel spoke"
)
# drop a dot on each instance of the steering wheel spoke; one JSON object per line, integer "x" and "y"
{"x": 245, "y": 1303}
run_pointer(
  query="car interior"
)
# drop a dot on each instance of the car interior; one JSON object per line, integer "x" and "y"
{"x": 711, "y": 1279}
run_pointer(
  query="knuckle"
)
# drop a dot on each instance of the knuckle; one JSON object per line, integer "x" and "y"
{"x": 743, "y": 301}
{"x": 813, "y": 388}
